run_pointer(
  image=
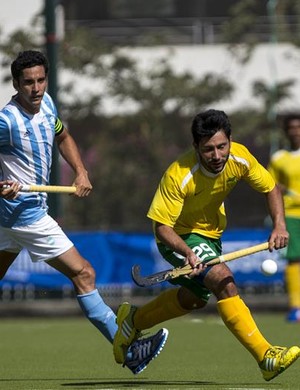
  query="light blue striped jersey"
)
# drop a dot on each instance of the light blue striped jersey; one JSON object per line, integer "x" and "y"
{"x": 26, "y": 143}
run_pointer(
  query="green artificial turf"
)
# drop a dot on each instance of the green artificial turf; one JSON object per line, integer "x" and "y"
{"x": 43, "y": 353}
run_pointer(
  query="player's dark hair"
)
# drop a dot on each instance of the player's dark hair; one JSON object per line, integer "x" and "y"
{"x": 288, "y": 118}
{"x": 28, "y": 59}
{"x": 207, "y": 123}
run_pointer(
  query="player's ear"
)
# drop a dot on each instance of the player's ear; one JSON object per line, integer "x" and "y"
{"x": 15, "y": 84}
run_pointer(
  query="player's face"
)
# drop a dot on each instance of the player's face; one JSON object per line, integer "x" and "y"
{"x": 293, "y": 133}
{"x": 214, "y": 152}
{"x": 31, "y": 87}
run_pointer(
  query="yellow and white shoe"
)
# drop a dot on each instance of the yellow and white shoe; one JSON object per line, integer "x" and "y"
{"x": 126, "y": 333}
{"x": 278, "y": 359}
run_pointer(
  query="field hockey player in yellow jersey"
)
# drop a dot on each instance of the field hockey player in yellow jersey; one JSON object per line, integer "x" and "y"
{"x": 189, "y": 218}
{"x": 285, "y": 168}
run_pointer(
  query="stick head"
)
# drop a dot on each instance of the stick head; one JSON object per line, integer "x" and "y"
{"x": 137, "y": 278}
{"x": 147, "y": 281}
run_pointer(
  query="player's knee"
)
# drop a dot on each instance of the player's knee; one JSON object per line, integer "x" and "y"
{"x": 226, "y": 290}
{"x": 188, "y": 300}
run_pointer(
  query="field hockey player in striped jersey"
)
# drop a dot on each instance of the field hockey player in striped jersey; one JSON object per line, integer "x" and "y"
{"x": 29, "y": 126}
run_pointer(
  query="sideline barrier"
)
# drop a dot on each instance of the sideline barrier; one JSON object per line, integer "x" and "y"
{"x": 113, "y": 255}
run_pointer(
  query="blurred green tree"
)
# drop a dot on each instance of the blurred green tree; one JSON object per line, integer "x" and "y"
{"x": 134, "y": 148}
{"x": 127, "y": 150}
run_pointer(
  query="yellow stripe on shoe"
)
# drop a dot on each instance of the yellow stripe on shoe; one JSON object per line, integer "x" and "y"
{"x": 126, "y": 333}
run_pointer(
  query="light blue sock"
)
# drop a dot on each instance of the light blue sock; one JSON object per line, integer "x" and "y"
{"x": 99, "y": 313}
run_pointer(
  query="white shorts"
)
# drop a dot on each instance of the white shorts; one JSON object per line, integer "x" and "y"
{"x": 43, "y": 239}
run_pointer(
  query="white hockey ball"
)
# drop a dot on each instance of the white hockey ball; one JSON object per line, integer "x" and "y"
{"x": 269, "y": 267}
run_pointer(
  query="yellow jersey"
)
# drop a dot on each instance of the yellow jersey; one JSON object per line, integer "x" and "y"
{"x": 285, "y": 168}
{"x": 191, "y": 199}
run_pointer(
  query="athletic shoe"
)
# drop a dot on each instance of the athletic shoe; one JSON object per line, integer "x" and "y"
{"x": 126, "y": 333}
{"x": 142, "y": 351}
{"x": 277, "y": 360}
{"x": 293, "y": 315}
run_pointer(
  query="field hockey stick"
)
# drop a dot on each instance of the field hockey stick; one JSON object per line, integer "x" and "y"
{"x": 150, "y": 280}
{"x": 54, "y": 189}
{"x": 43, "y": 188}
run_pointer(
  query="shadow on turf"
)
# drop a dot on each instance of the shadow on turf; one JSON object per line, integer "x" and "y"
{"x": 129, "y": 384}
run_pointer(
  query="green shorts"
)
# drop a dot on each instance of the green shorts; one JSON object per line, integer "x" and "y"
{"x": 293, "y": 248}
{"x": 206, "y": 249}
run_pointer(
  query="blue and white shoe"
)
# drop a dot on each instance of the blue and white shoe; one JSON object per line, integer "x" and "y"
{"x": 142, "y": 351}
{"x": 293, "y": 315}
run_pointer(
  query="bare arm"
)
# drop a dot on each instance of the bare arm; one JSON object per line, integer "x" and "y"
{"x": 169, "y": 237}
{"x": 70, "y": 153}
{"x": 279, "y": 235}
